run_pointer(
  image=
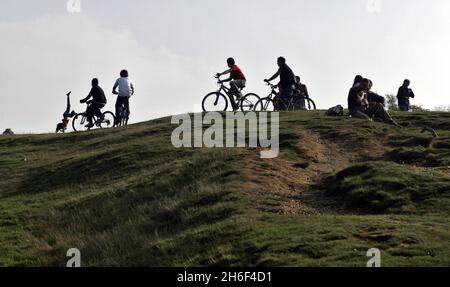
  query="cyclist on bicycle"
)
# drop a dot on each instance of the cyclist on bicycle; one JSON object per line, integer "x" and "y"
{"x": 287, "y": 81}
{"x": 126, "y": 90}
{"x": 237, "y": 80}
{"x": 96, "y": 104}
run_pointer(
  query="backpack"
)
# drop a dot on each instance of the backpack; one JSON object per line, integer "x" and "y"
{"x": 336, "y": 111}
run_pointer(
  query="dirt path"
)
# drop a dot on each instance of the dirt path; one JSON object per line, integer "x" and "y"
{"x": 288, "y": 186}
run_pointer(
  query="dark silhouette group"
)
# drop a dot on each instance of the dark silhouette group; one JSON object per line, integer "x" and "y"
{"x": 97, "y": 100}
{"x": 364, "y": 104}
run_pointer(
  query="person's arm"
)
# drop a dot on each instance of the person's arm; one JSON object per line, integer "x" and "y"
{"x": 224, "y": 73}
{"x": 87, "y": 98}
{"x": 411, "y": 93}
{"x": 399, "y": 93}
{"x": 132, "y": 89}
{"x": 273, "y": 77}
{"x": 115, "y": 87}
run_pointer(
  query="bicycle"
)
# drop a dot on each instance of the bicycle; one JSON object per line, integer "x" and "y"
{"x": 273, "y": 102}
{"x": 217, "y": 101}
{"x": 101, "y": 120}
{"x": 122, "y": 118}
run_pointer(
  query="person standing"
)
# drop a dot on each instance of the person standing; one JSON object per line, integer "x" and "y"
{"x": 403, "y": 96}
{"x": 301, "y": 91}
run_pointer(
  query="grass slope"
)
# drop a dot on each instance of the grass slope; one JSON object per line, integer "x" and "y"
{"x": 126, "y": 197}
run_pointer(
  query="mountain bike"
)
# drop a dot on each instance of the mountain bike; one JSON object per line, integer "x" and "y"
{"x": 221, "y": 99}
{"x": 122, "y": 118}
{"x": 101, "y": 120}
{"x": 273, "y": 102}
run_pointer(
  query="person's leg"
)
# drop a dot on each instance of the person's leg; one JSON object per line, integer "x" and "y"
{"x": 90, "y": 112}
{"x": 126, "y": 104}
{"x": 119, "y": 103}
{"x": 378, "y": 111}
{"x": 285, "y": 96}
{"x": 403, "y": 107}
{"x": 240, "y": 84}
{"x": 98, "y": 110}
{"x": 234, "y": 92}
{"x": 360, "y": 115}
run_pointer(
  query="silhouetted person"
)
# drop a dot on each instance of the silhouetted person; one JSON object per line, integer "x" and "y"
{"x": 126, "y": 90}
{"x": 237, "y": 80}
{"x": 403, "y": 96}
{"x": 68, "y": 114}
{"x": 97, "y": 103}
{"x": 300, "y": 91}
{"x": 374, "y": 97}
{"x": 359, "y": 106}
{"x": 287, "y": 81}
{"x": 357, "y": 80}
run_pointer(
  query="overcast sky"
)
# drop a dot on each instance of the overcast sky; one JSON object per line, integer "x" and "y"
{"x": 172, "y": 49}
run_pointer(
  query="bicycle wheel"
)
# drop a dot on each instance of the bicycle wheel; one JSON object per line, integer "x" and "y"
{"x": 79, "y": 122}
{"x": 248, "y": 102}
{"x": 265, "y": 105}
{"x": 303, "y": 103}
{"x": 215, "y": 102}
{"x": 108, "y": 120}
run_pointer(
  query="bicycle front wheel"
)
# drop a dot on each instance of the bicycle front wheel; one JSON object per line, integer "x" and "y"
{"x": 265, "y": 105}
{"x": 248, "y": 103}
{"x": 108, "y": 120}
{"x": 215, "y": 102}
{"x": 79, "y": 122}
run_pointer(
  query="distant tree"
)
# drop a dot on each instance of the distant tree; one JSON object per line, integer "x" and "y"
{"x": 391, "y": 102}
{"x": 8, "y": 132}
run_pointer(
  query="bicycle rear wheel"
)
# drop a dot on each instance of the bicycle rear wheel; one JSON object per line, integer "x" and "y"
{"x": 303, "y": 103}
{"x": 265, "y": 105}
{"x": 248, "y": 103}
{"x": 215, "y": 102}
{"x": 79, "y": 122}
{"x": 108, "y": 120}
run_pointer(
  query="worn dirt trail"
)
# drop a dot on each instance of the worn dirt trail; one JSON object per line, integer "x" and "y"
{"x": 287, "y": 186}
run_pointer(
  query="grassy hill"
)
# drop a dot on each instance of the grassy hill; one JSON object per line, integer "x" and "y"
{"x": 126, "y": 197}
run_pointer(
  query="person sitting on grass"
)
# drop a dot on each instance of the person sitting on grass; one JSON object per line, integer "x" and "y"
{"x": 374, "y": 97}
{"x": 359, "y": 107}
{"x": 62, "y": 126}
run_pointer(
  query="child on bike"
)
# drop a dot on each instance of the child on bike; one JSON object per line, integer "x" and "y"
{"x": 97, "y": 103}
{"x": 237, "y": 79}
{"x": 126, "y": 90}
{"x": 62, "y": 126}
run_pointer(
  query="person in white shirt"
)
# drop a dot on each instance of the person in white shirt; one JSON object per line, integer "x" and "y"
{"x": 126, "y": 90}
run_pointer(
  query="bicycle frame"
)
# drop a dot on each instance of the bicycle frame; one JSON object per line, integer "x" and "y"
{"x": 273, "y": 94}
